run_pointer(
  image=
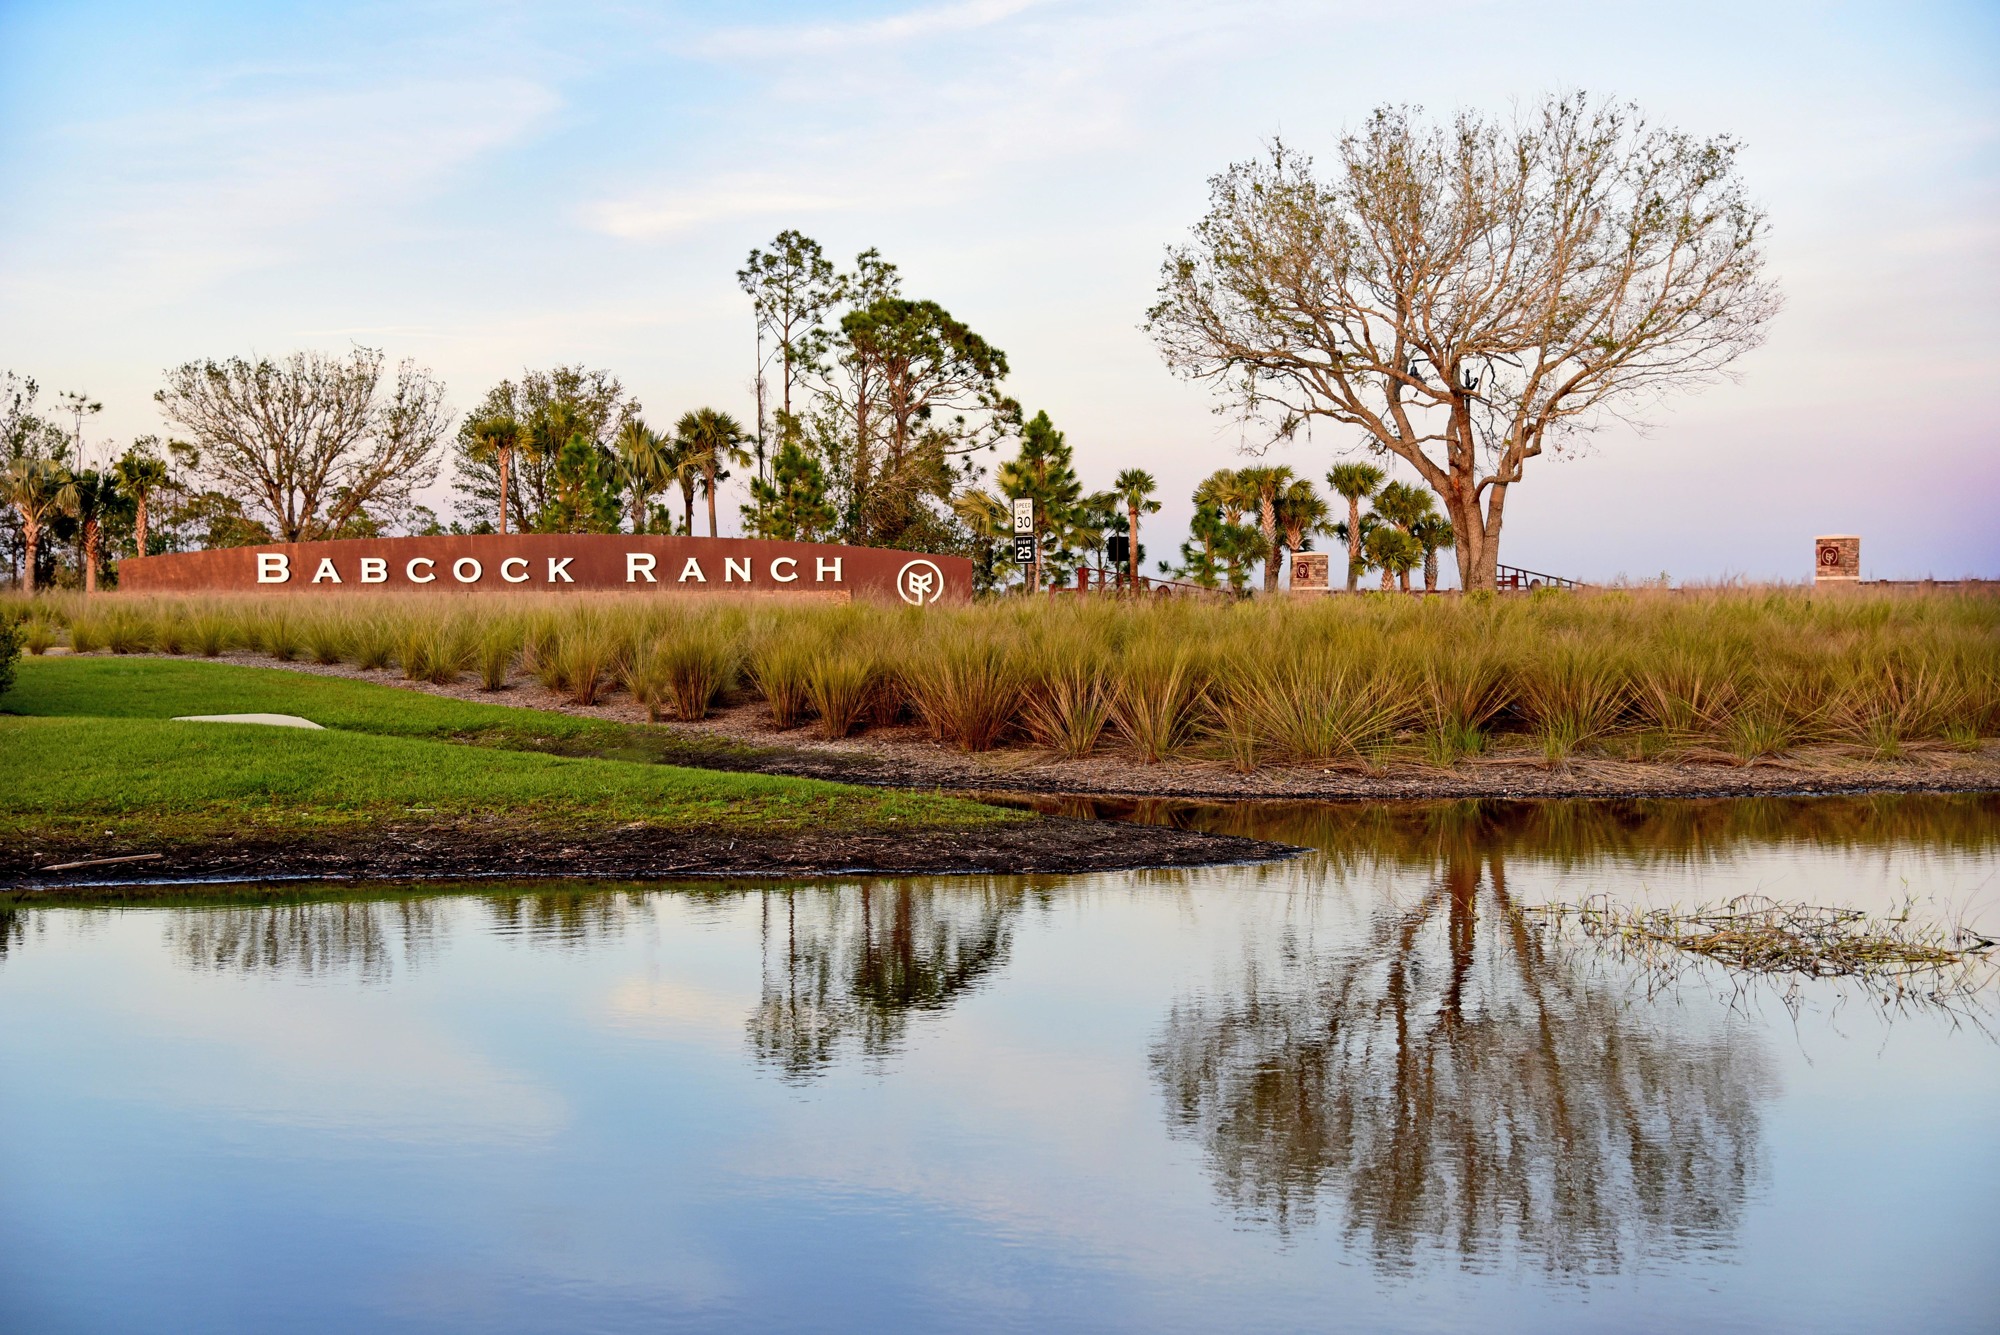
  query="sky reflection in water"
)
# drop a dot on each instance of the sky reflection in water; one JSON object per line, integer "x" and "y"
{"x": 1351, "y": 1090}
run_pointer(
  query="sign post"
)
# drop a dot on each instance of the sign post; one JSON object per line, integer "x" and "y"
{"x": 1027, "y": 552}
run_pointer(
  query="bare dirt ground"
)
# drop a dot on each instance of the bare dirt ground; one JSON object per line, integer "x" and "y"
{"x": 905, "y": 756}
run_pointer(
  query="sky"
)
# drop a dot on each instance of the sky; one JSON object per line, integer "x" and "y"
{"x": 488, "y": 187}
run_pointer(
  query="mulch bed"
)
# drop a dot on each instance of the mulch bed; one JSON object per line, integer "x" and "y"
{"x": 739, "y": 736}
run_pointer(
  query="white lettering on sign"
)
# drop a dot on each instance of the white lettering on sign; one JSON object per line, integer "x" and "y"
{"x": 733, "y": 569}
{"x": 559, "y": 569}
{"x": 827, "y": 567}
{"x": 791, "y": 566}
{"x": 458, "y": 570}
{"x": 639, "y": 565}
{"x": 507, "y": 570}
{"x": 410, "y": 570}
{"x": 692, "y": 570}
{"x": 374, "y": 570}
{"x": 326, "y": 571}
{"x": 273, "y": 567}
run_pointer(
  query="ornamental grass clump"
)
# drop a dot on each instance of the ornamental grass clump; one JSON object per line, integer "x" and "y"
{"x": 1460, "y": 689}
{"x": 1162, "y": 700}
{"x": 589, "y": 655}
{"x": 39, "y": 637}
{"x": 498, "y": 649}
{"x": 86, "y": 634}
{"x": 372, "y": 642}
{"x": 1068, "y": 697}
{"x": 1323, "y": 705}
{"x": 698, "y": 669}
{"x": 412, "y": 638}
{"x": 276, "y": 633}
{"x": 968, "y": 688}
{"x": 1689, "y": 690}
{"x": 1572, "y": 693}
{"x": 450, "y": 647}
{"x": 211, "y": 633}
{"x": 841, "y": 686}
{"x": 127, "y": 630}
{"x": 328, "y": 637}
{"x": 781, "y": 668}
{"x": 170, "y": 631}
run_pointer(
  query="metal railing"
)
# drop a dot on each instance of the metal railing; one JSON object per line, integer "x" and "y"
{"x": 1514, "y": 577}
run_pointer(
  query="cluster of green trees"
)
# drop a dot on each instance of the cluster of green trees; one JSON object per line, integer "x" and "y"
{"x": 567, "y": 451}
{"x": 1265, "y": 513}
{"x": 61, "y": 522}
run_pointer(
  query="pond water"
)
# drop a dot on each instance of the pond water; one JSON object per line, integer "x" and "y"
{"x": 1355, "y": 1090}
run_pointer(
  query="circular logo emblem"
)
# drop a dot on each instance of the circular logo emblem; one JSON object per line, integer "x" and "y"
{"x": 920, "y": 582}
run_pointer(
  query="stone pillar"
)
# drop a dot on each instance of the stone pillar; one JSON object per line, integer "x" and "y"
{"x": 1837, "y": 559}
{"x": 1309, "y": 572}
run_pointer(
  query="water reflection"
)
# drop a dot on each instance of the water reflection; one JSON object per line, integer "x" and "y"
{"x": 573, "y": 917}
{"x": 846, "y": 968}
{"x": 1452, "y": 1086}
{"x": 365, "y": 937}
{"x": 13, "y": 930}
{"x": 1566, "y": 833}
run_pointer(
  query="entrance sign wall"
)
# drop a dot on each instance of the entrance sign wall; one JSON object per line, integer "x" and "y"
{"x": 557, "y": 562}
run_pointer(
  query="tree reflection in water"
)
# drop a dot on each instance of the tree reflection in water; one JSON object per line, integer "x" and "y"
{"x": 363, "y": 936}
{"x": 847, "y": 967}
{"x": 1458, "y": 1089}
{"x": 13, "y": 931}
{"x": 570, "y": 917}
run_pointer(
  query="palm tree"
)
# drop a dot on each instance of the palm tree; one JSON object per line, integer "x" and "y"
{"x": 90, "y": 499}
{"x": 1432, "y": 532}
{"x": 643, "y": 466}
{"x": 1301, "y": 512}
{"x": 1135, "y": 487}
{"x": 495, "y": 438}
{"x": 1265, "y": 482}
{"x": 1405, "y": 507}
{"x": 36, "y": 488}
{"x": 1355, "y": 482}
{"x": 710, "y": 439}
{"x": 1396, "y": 552}
{"x": 139, "y": 475}
{"x": 1230, "y": 497}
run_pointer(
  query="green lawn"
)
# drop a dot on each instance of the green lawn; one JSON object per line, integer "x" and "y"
{"x": 113, "y": 687}
{"x": 89, "y": 746}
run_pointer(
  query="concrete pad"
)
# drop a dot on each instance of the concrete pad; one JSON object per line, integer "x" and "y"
{"x": 270, "y": 720}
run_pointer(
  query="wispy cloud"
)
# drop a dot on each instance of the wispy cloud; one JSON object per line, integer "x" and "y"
{"x": 669, "y": 212}
{"x": 895, "y": 29}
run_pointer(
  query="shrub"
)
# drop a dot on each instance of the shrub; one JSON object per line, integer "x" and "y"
{"x": 967, "y": 689}
{"x": 782, "y": 671}
{"x": 841, "y": 685}
{"x": 10, "y": 652}
{"x": 1160, "y": 701}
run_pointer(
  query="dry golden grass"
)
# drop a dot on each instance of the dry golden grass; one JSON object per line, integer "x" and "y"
{"x": 1738, "y": 675}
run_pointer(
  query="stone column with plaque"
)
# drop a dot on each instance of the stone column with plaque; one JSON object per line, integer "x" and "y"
{"x": 1309, "y": 572}
{"x": 1837, "y": 559}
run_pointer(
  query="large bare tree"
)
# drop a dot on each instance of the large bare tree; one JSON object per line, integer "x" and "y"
{"x": 313, "y": 443}
{"x": 1471, "y": 295}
